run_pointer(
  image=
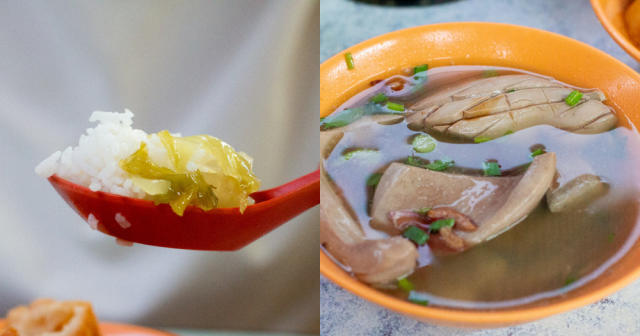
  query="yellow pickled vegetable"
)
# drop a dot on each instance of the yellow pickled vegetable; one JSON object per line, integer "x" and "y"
{"x": 203, "y": 171}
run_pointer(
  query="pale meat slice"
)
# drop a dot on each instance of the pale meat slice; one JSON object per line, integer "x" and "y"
{"x": 376, "y": 262}
{"x": 577, "y": 192}
{"x": 493, "y": 203}
{"x": 491, "y": 107}
{"x": 482, "y": 87}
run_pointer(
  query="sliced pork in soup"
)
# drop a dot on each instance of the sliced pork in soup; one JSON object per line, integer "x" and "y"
{"x": 493, "y": 203}
{"x": 517, "y": 181}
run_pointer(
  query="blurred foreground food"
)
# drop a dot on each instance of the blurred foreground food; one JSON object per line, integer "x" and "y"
{"x": 52, "y": 318}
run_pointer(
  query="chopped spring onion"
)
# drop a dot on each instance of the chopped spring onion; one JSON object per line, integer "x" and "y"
{"x": 489, "y": 73}
{"x": 573, "y": 98}
{"x": 508, "y": 132}
{"x": 511, "y": 90}
{"x": 416, "y": 162}
{"x": 440, "y": 165}
{"x": 420, "y": 68}
{"x": 416, "y": 298}
{"x": 422, "y": 211}
{"x": 437, "y": 165}
{"x": 342, "y": 118}
{"x": 481, "y": 139}
{"x": 373, "y": 180}
{"x": 491, "y": 168}
{"x": 356, "y": 152}
{"x": 611, "y": 237}
{"x": 537, "y": 152}
{"x": 349, "y": 59}
{"x": 423, "y": 143}
{"x": 416, "y": 235}
{"x": 347, "y": 116}
{"x": 570, "y": 279}
{"x": 395, "y": 107}
{"x": 379, "y": 98}
{"x": 440, "y": 223}
{"x": 405, "y": 285}
{"x": 420, "y": 78}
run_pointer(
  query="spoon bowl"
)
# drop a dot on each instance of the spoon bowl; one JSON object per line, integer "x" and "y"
{"x": 224, "y": 229}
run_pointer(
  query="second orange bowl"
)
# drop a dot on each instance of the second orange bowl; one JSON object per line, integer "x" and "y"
{"x": 611, "y": 15}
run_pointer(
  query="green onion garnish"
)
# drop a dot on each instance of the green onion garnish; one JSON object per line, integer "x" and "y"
{"x": 481, "y": 139}
{"x": 440, "y": 223}
{"x": 511, "y": 90}
{"x": 439, "y": 165}
{"x": 405, "y": 285}
{"x": 422, "y": 211}
{"x": 423, "y": 143}
{"x": 417, "y": 299}
{"x": 379, "y": 98}
{"x": 508, "y": 132}
{"x": 416, "y": 235}
{"x": 491, "y": 168}
{"x": 573, "y": 98}
{"x": 373, "y": 180}
{"x": 415, "y": 161}
{"x": 347, "y": 116}
{"x": 395, "y": 107}
{"x": 611, "y": 237}
{"x": 342, "y": 118}
{"x": 356, "y": 152}
{"x": 536, "y": 152}
{"x": 349, "y": 59}
{"x": 420, "y": 68}
{"x": 570, "y": 279}
{"x": 489, "y": 73}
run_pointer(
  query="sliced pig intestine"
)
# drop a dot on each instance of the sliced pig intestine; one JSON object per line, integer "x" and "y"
{"x": 491, "y": 107}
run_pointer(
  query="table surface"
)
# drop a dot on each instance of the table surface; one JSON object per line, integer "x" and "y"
{"x": 344, "y": 23}
{"x": 195, "y": 332}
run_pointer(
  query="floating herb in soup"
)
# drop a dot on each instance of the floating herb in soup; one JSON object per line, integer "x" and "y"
{"x": 490, "y": 187}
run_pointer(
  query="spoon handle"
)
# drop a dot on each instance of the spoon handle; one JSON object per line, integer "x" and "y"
{"x": 306, "y": 184}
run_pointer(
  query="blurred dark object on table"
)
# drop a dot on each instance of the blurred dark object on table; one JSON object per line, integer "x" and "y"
{"x": 404, "y": 2}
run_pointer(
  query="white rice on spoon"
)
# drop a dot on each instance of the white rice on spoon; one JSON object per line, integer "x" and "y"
{"x": 204, "y": 170}
{"x": 114, "y": 139}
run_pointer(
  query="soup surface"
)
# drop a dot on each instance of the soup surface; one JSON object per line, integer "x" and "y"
{"x": 545, "y": 254}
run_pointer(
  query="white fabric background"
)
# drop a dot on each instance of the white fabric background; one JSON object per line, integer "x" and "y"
{"x": 244, "y": 71}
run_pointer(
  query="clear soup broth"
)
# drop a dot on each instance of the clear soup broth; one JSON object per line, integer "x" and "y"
{"x": 546, "y": 254}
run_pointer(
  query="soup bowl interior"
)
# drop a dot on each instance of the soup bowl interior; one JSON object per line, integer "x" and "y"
{"x": 469, "y": 43}
{"x": 611, "y": 15}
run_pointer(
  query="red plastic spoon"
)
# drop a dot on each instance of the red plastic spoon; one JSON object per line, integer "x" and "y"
{"x": 140, "y": 221}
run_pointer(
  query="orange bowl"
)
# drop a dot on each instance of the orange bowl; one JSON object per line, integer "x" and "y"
{"x": 471, "y": 43}
{"x": 611, "y": 15}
